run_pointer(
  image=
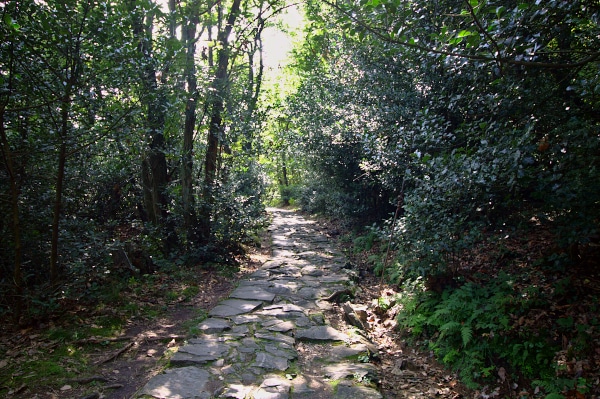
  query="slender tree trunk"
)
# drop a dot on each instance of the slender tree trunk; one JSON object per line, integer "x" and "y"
{"x": 254, "y": 84}
{"x": 218, "y": 92}
{"x": 7, "y": 156}
{"x": 72, "y": 71}
{"x": 189, "y": 214}
{"x": 60, "y": 178}
{"x": 16, "y": 221}
{"x": 154, "y": 166}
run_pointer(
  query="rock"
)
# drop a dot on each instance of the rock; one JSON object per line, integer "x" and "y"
{"x": 280, "y": 352}
{"x": 281, "y": 326}
{"x": 320, "y": 333}
{"x": 246, "y": 318}
{"x": 237, "y": 391}
{"x": 270, "y": 362}
{"x": 340, "y": 295}
{"x": 200, "y": 351}
{"x": 356, "y": 315}
{"x": 346, "y": 391}
{"x": 312, "y": 271}
{"x": 253, "y": 294}
{"x": 213, "y": 325}
{"x": 284, "y": 311}
{"x": 233, "y": 307}
{"x": 342, "y": 352}
{"x": 180, "y": 383}
{"x": 342, "y": 371}
{"x": 275, "y": 336}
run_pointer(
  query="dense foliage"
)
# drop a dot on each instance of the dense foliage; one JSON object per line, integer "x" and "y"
{"x": 476, "y": 127}
{"x": 128, "y": 138}
{"x": 478, "y": 121}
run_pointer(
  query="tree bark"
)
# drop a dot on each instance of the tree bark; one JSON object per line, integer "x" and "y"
{"x": 189, "y": 214}
{"x": 219, "y": 90}
{"x": 154, "y": 166}
{"x": 7, "y": 156}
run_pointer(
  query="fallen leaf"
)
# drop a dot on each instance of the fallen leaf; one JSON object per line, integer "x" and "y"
{"x": 3, "y": 363}
{"x": 502, "y": 374}
{"x": 66, "y": 388}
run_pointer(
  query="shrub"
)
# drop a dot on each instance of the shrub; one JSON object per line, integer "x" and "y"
{"x": 469, "y": 328}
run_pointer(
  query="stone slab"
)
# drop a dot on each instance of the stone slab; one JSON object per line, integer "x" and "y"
{"x": 342, "y": 371}
{"x": 214, "y": 325}
{"x": 181, "y": 383}
{"x": 341, "y": 352}
{"x": 281, "y": 326}
{"x": 207, "y": 350}
{"x": 247, "y": 318}
{"x": 346, "y": 391}
{"x": 270, "y": 362}
{"x": 320, "y": 333}
{"x": 279, "y": 352}
{"x": 252, "y": 293}
{"x": 275, "y": 337}
{"x": 312, "y": 271}
{"x": 234, "y": 307}
{"x": 237, "y": 391}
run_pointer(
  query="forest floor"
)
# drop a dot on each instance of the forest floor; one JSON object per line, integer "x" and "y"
{"x": 91, "y": 352}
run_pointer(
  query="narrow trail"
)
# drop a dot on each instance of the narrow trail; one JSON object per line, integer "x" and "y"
{"x": 276, "y": 336}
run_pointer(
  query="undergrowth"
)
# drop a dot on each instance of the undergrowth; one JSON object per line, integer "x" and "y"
{"x": 474, "y": 329}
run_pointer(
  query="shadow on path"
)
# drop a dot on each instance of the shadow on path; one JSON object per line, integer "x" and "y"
{"x": 274, "y": 337}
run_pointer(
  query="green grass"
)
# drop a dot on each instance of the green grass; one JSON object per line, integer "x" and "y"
{"x": 191, "y": 325}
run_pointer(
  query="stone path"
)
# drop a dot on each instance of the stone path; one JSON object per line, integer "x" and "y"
{"x": 273, "y": 337}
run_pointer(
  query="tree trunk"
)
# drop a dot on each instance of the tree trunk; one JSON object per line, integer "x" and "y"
{"x": 189, "y": 214}
{"x": 254, "y": 84}
{"x": 154, "y": 166}
{"x": 219, "y": 89}
{"x": 16, "y": 221}
{"x": 63, "y": 133}
{"x": 60, "y": 178}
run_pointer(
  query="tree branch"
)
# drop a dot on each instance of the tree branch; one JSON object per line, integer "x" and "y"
{"x": 473, "y": 57}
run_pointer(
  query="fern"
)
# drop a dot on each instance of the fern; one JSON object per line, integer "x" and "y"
{"x": 555, "y": 395}
{"x": 468, "y": 328}
{"x": 466, "y": 333}
{"x": 449, "y": 327}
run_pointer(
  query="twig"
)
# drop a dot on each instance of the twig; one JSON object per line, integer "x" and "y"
{"x": 387, "y": 254}
{"x": 113, "y": 386}
{"x": 160, "y": 338}
{"x": 115, "y": 354}
{"x": 95, "y": 340}
{"x": 87, "y": 380}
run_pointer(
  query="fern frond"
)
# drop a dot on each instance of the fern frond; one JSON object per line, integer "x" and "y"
{"x": 449, "y": 327}
{"x": 467, "y": 333}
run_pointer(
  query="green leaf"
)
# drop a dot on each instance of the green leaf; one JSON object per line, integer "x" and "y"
{"x": 465, "y": 33}
{"x": 10, "y": 22}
